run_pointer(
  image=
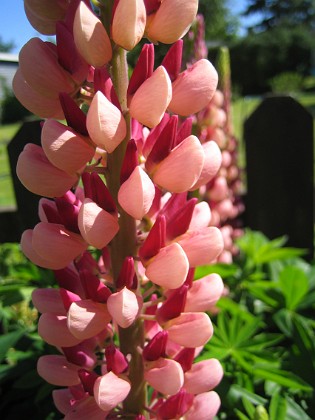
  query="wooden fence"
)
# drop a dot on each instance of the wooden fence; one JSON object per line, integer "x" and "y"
{"x": 279, "y": 155}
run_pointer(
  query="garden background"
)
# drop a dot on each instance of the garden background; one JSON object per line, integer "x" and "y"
{"x": 264, "y": 327}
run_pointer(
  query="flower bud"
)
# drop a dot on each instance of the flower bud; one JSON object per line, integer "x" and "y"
{"x": 56, "y": 370}
{"x": 97, "y": 226}
{"x": 110, "y": 390}
{"x": 90, "y": 37}
{"x": 136, "y": 194}
{"x": 150, "y": 101}
{"x": 172, "y": 20}
{"x": 193, "y": 88}
{"x": 39, "y": 176}
{"x": 128, "y": 23}
{"x": 105, "y": 123}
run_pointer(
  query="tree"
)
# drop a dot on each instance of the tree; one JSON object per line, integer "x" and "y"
{"x": 275, "y": 13}
{"x": 221, "y": 24}
{"x": 6, "y": 46}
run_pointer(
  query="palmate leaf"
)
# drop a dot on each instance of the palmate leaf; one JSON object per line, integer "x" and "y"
{"x": 267, "y": 255}
{"x": 282, "y": 377}
{"x": 294, "y": 286}
{"x": 224, "y": 270}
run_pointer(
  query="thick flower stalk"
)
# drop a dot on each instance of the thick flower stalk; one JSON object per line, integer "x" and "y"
{"x": 119, "y": 224}
{"x": 214, "y": 123}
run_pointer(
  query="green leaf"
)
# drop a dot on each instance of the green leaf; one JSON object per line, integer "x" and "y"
{"x": 30, "y": 380}
{"x": 261, "y": 413}
{"x": 268, "y": 255}
{"x": 241, "y": 415}
{"x": 294, "y": 285}
{"x": 9, "y": 340}
{"x": 283, "y": 319}
{"x": 282, "y": 377}
{"x": 294, "y": 411}
{"x": 239, "y": 392}
{"x": 224, "y": 270}
{"x": 278, "y": 407}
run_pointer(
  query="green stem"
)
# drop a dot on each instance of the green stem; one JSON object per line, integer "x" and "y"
{"x": 124, "y": 243}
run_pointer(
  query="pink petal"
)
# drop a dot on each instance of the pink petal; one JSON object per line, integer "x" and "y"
{"x": 194, "y": 88}
{"x": 150, "y": 101}
{"x": 205, "y": 406}
{"x": 87, "y": 318}
{"x": 48, "y": 300}
{"x": 55, "y": 243}
{"x": 219, "y": 190}
{"x": 202, "y": 246}
{"x": 105, "y": 123}
{"x": 203, "y": 376}
{"x": 31, "y": 254}
{"x": 136, "y": 194}
{"x": 39, "y": 176}
{"x": 128, "y": 23}
{"x": 97, "y": 226}
{"x": 123, "y": 307}
{"x": 201, "y": 216}
{"x": 90, "y": 37}
{"x": 165, "y": 376}
{"x": 53, "y": 329}
{"x": 85, "y": 408}
{"x": 65, "y": 149}
{"x": 42, "y": 24}
{"x": 56, "y": 370}
{"x": 172, "y": 20}
{"x": 42, "y": 71}
{"x": 204, "y": 293}
{"x": 62, "y": 399}
{"x": 34, "y": 101}
{"x": 169, "y": 267}
{"x": 110, "y": 390}
{"x": 212, "y": 164}
{"x": 182, "y": 167}
{"x": 190, "y": 329}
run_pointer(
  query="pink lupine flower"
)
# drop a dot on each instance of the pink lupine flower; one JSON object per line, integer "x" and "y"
{"x": 62, "y": 399}
{"x": 128, "y": 23}
{"x": 171, "y": 21}
{"x": 156, "y": 347}
{"x": 56, "y": 370}
{"x": 182, "y": 167}
{"x": 115, "y": 360}
{"x": 33, "y": 101}
{"x": 202, "y": 246}
{"x": 84, "y": 408}
{"x": 212, "y": 164}
{"x": 53, "y": 329}
{"x": 204, "y": 293}
{"x": 105, "y": 123}
{"x": 205, "y": 406}
{"x": 193, "y": 88}
{"x": 150, "y": 101}
{"x": 48, "y": 300}
{"x": 164, "y": 375}
{"x": 162, "y": 271}
{"x": 97, "y": 226}
{"x": 190, "y": 329}
{"x": 136, "y": 194}
{"x": 219, "y": 189}
{"x": 91, "y": 38}
{"x": 55, "y": 243}
{"x": 65, "y": 148}
{"x": 203, "y": 376}
{"x": 201, "y": 216}
{"x": 176, "y": 405}
{"x": 110, "y": 390}
{"x": 43, "y": 14}
{"x": 39, "y": 176}
{"x": 87, "y": 318}
{"x": 38, "y": 59}
{"x": 123, "y": 307}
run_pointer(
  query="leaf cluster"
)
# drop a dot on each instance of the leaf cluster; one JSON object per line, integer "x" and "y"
{"x": 264, "y": 332}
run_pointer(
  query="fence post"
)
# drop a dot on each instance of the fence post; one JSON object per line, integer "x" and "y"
{"x": 279, "y": 154}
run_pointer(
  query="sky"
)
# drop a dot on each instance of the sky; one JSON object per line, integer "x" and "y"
{"x": 15, "y": 27}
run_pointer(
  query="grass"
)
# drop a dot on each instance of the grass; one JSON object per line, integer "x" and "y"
{"x": 7, "y": 198}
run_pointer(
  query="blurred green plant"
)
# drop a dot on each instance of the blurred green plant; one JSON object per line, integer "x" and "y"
{"x": 287, "y": 82}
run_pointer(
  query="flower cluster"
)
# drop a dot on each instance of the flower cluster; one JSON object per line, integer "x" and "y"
{"x": 119, "y": 224}
{"x": 213, "y": 123}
